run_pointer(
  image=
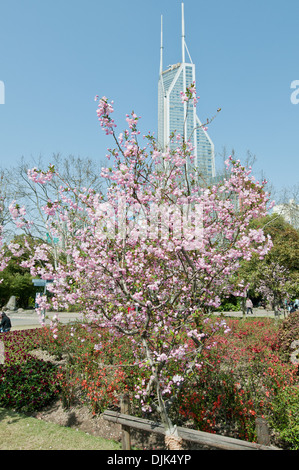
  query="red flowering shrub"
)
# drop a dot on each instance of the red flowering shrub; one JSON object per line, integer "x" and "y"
{"x": 97, "y": 371}
{"x": 26, "y": 383}
{"x": 239, "y": 380}
{"x": 241, "y": 376}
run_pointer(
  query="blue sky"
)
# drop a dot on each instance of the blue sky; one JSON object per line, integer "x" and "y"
{"x": 55, "y": 56}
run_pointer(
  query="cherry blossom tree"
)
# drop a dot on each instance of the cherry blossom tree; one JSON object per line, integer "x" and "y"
{"x": 148, "y": 258}
{"x": 275, "y": 283}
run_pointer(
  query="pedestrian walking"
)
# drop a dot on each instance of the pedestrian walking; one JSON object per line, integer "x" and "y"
{"x": 5, "y": 324}
{"x": 249, "y": 306}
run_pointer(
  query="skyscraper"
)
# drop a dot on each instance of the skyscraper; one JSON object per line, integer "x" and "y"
{"x": 172, "y": 112}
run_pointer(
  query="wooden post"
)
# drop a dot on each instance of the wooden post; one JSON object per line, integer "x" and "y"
{"x": 125, "y": 430}
{"x": 262, "y": 431}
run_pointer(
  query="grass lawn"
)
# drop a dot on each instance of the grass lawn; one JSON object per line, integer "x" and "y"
{"x": 20, "y": 432}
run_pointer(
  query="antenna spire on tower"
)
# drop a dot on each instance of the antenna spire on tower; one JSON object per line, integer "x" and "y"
{"x": 161, "y": 47}
{"x": 183, "y": 35}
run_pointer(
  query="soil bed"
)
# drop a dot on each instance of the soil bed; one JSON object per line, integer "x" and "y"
{"x": 79, "y": 417}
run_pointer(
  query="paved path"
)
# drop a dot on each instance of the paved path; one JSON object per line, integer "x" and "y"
{"x": 257, "y": 313}
{"x": 29, "y": 318}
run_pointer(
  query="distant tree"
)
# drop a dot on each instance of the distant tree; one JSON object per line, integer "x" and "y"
{"x": 74, "y": 172}
{"x": 276, "y": 277}
{"x": 288, "y": 205}
{"x": 285, "y": 239}
{"x": 15, "y": 279}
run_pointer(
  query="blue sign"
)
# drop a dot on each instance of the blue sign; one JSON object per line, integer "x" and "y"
{"x": 40, "y": 282}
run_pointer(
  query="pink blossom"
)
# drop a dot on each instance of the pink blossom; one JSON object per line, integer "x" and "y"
{"x": 39, "y": 176}
{"x": 104, "y": 110}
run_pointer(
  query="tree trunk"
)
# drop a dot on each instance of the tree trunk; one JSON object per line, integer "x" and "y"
{"x": 172, "y": 439}
{"x": 243, "y": 306}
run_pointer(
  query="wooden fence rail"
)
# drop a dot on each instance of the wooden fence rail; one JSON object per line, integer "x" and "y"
{"x": 203, "y": 438}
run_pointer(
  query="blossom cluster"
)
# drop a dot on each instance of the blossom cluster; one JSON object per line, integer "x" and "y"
{"x": 39, "y": 176}
{"x": 18, "y": 215}
{"x": 190, "y": 94}
{"x": 104, "y": 110}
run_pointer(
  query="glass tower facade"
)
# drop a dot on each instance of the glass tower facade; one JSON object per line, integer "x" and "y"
{"x": 175, "y": 117}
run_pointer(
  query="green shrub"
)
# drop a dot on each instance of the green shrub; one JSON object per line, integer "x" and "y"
{"x": 291, "y": 437}
{"x": 285, "y": 418}
{"x": 288, "y": 332}
{"x": 27, "y": 386}
{"x": 229, "y": 306}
